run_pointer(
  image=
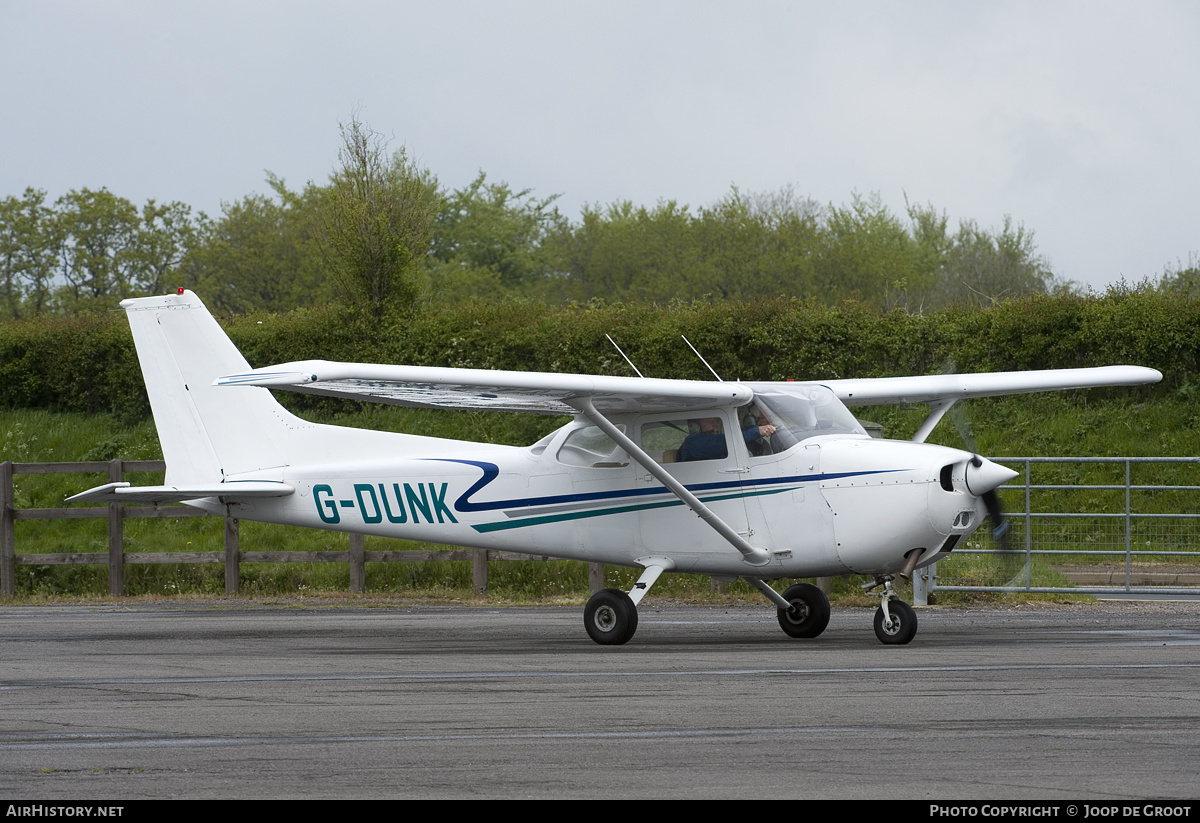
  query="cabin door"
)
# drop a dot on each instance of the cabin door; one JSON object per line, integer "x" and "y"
{"x": 701, "y": 450}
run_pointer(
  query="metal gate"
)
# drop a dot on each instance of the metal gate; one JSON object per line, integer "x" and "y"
{"x": 1089, "y": 525}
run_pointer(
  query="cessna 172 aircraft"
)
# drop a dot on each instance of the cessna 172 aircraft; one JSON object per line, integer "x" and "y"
{"x": 763, "y": 481}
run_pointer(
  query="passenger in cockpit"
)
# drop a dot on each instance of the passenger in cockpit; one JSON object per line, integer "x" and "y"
{"x": 706, "y": 444}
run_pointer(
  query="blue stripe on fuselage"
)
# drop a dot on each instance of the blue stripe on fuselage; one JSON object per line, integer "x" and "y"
{"x": 491, "y": 471}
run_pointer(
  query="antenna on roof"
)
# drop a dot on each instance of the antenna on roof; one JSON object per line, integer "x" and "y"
{"x": 702, "y": 360}
{"x": 627, "y": 360}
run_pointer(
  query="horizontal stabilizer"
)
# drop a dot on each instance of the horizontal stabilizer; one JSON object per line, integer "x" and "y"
{"x": 125, "y": 493}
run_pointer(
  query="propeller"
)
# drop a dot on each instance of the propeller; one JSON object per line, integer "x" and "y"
{"x": 988, "y": 477}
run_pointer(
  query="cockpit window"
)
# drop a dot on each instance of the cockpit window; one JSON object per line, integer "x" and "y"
{"x": 684, "y": 439}
{"x": 591, "y": 447}
{"x": 794, "y": 415}
{"x": 540, "y": 446}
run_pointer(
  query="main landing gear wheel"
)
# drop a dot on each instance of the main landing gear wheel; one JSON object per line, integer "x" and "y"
{"x": 903, "y": 625}
{"x": 610, "y": 617}
{"x": 809, "y": 614}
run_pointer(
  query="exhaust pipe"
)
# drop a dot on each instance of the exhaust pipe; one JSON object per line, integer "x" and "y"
{"x": 914, "y": 557}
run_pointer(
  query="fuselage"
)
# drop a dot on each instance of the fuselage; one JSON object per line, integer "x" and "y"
{"x": 824, "y": 499}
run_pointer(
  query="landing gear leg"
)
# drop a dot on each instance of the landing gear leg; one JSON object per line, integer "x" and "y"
{"x": 610, "y": 616}
{"x": 895, "y": 621}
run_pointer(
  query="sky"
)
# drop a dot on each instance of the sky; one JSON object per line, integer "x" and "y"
{"x": 1079, "y": 120}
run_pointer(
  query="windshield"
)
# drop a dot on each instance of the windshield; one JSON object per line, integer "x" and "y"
{"x": 799, "y": 413}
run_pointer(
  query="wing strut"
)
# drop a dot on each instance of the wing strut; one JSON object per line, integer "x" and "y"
{"x": 937, "y": 409}
{"x": 752, "y": 555}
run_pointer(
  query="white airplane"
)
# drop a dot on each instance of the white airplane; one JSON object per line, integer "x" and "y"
{"x": 762, "y": 481}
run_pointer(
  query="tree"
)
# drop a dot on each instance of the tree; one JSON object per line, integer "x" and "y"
{"x": 759, "y": 245}
{"x": 165, "y": 237}
{"x": 379, "y": 210}
{"x": 28, "y": 253}
{"x": 98, "y": 240}
{"x": 1182, "y": 278}
{"x": 489, "y": 240}
{"x": 933, "y": 244}
{"x": 633, "y": 253}
{"x": 261, "y": 253}
{"x": 868, "y": 253}
{"x": 983, "y": 268}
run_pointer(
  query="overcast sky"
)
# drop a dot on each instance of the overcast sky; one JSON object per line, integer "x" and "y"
{"x": 1081, "y": 120}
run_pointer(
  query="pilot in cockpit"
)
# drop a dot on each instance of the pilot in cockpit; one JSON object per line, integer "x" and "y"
{"x": 757, "y": 430}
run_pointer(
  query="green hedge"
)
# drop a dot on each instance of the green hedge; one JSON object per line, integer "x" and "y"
{"x": 87, "y": 363}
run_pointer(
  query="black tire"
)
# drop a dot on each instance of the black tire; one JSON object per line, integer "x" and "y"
{"x": 904, "y": 624}
{"x": 809, "y": 614}
{"x": 610, "y": 617}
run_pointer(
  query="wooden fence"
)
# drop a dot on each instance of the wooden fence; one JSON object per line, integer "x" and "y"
{"x": 116, "y": 558}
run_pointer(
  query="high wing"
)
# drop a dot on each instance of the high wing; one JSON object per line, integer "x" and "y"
{"x": 941, "y": 391}
{"x": 548, "y": 393}
{"x": 941, "y": 387}
{"x": 535, "y": 392}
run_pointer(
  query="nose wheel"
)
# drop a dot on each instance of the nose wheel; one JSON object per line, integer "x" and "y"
{"x": 895, "y": 620}
{"x": 897, "y": 625}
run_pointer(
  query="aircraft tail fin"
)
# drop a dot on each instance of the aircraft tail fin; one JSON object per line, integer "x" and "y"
{"x": 207, "y": 434}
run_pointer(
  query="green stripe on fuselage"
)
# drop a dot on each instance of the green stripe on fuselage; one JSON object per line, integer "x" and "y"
{"x": 559, "y": 518}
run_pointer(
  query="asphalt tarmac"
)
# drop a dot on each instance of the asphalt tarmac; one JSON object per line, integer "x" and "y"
{"x": 321, "y": 699}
